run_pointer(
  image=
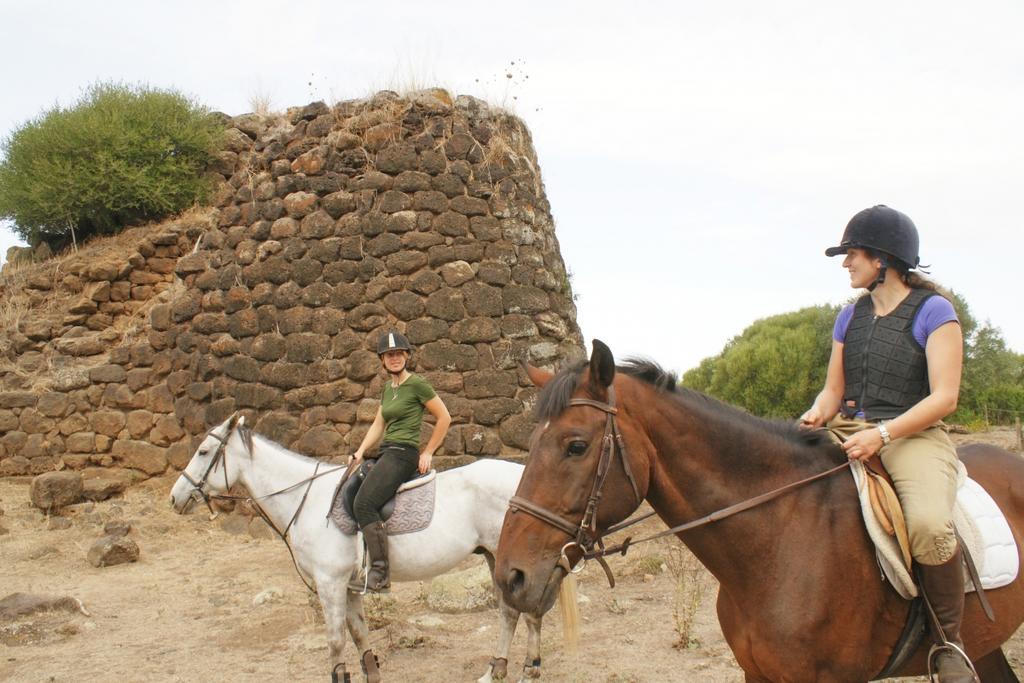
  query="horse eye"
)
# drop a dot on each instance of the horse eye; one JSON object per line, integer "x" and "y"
{"x": 203, "y": 451}
{"x": 576, "y": 448}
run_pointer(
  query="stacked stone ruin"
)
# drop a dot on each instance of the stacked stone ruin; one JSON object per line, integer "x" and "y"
{"x": 331, "y": 225}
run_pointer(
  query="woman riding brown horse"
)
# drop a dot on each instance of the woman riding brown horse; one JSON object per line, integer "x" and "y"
{"x": 800, "y": 596}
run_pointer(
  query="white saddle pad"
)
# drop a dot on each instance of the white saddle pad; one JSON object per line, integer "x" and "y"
{"x": 979, "y": 522}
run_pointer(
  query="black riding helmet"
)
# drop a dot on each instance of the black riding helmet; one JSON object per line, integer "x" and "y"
{"x": 393, "y": 341}
{"x": 882, "y": 229}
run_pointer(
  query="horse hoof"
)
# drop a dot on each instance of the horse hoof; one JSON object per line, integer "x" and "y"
{"x": 497, "y": 670}
{"x": 370, "y": 667}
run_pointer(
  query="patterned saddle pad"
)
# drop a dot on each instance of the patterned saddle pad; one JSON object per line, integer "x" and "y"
{"x": 413, "y": 507}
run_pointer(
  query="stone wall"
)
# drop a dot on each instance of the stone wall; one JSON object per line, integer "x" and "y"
{"x": 331, "y": 225}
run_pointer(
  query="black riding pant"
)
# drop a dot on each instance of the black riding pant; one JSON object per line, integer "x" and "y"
{"x": 395, "y": 465}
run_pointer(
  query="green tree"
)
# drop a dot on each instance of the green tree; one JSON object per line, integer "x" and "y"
{"x": 992, "y": 386}
{"x": 120, "y": 154}
{"x": 775, "y": 367}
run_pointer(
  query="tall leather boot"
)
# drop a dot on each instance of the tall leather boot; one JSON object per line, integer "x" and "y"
{"x": 943, "y": 586}
{"x": 377, "y": 577}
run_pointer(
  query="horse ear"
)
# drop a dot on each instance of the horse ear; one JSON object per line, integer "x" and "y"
{"x": 537, "y": 376}
{"x": 602, "y": 365}
{"x": 241, "y": 421}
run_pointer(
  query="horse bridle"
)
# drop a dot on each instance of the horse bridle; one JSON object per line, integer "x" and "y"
{"x": 585, "y": 535}
{"x": 198, "y": 492}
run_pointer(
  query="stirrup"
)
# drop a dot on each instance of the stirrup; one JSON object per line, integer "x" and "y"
{"x": 955, "y": 649}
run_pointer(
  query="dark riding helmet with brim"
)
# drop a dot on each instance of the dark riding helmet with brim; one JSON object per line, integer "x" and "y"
{"x": 393, "y": 341}
{"x": 882, "y": 229}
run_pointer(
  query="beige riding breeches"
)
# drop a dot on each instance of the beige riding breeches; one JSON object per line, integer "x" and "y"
{"x": 923, "y": 467}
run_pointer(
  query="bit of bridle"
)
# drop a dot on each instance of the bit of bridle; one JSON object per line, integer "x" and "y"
{"x": 585, "y": 536}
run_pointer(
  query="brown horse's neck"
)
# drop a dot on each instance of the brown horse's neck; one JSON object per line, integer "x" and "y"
{"x": 710, "y": 456}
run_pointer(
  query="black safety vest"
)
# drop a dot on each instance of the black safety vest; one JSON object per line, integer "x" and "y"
{"x": 886, "y": 370}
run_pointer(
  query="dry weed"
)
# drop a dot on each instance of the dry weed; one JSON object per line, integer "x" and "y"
{"x": 690, "y": 585}
{"x": 261, "y": 103}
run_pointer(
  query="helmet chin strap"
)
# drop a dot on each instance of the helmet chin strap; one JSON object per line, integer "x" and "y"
{"x": 881, "y": 275}
{"x": 396, "y": 373}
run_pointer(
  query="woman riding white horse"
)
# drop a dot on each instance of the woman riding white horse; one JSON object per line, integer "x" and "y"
{"x": 294, "y": 492}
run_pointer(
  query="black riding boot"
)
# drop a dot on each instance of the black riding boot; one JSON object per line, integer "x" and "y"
{"x": 377, "y": 579}
{"x": 943, "y": 586}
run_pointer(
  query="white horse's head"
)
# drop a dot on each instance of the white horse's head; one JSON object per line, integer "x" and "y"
{"x": 213, "y": 468}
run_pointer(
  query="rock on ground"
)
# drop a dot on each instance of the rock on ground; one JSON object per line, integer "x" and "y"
{"x": 466, "y": 591}
{"x": 53, "y": 490}
{"x": 20, "y": 604}
{"x": 111, "y": 550}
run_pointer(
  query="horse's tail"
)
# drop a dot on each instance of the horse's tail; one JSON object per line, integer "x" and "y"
{"x": 568, "y": 605}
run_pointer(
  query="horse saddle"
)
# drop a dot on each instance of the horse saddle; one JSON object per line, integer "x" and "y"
{"x": 979, "y": 523}
{"x": 411, "y": 509}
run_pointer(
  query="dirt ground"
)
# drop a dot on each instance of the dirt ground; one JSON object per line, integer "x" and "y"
{"x": 187, "y": 609}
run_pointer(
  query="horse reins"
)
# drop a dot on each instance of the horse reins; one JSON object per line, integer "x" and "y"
{"x": 219, "y": 457}
{"x": 586, "y": 535}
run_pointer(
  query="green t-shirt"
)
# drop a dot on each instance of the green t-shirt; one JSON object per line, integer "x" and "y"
{"x": 402, "y": 409}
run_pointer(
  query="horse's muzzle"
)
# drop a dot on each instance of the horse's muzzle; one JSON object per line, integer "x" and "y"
{"x": 527, "y": 591}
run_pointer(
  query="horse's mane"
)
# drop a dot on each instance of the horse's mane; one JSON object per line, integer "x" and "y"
{"x": 247, "y": 435}
{"x": 555, "y": 396}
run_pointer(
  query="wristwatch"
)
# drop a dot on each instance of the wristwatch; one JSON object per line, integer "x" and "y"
{"x": 885, "y": 434}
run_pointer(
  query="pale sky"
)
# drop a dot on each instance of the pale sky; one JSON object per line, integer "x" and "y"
{"x": 698, "y": 157}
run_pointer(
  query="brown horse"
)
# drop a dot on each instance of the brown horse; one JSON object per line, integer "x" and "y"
{"x": 800, "y": 595}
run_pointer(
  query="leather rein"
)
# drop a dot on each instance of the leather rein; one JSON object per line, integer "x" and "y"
{"x": 585, "y": 535}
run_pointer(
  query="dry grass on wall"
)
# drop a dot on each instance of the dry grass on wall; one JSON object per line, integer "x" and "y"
{"x": 20, "y": 304}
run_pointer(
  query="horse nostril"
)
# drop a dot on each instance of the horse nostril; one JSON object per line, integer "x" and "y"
{"x": 516, "y": 581}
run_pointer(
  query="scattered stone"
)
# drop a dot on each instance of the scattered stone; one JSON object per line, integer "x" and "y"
{"x": 427, "y": 621}
{"x": 22, "y": 604}
{"x": 58, "y": 523}
{"x": 267, "y": 596}
{"x": 42, "y": 552}
{"x": 470, "y": 590}
{"x": 100, "y": 483}
{"x": 54, "y": 490}
{"x": 111, "y": 550}
{"x": 117, "y": 528}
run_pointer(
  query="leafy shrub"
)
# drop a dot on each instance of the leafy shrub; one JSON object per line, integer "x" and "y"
{"x": 120, "y": 154}
{"x": 774, "y": 368}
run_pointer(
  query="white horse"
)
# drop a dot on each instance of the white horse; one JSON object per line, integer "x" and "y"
{"x": 295, "y": 492}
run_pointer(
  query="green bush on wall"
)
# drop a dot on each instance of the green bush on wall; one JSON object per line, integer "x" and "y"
{"x": 120, "y": 154}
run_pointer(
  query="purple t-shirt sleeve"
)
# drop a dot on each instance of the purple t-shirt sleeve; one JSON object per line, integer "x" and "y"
{"x": 842, "y": 322}
{"x": 935, "y": 312}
